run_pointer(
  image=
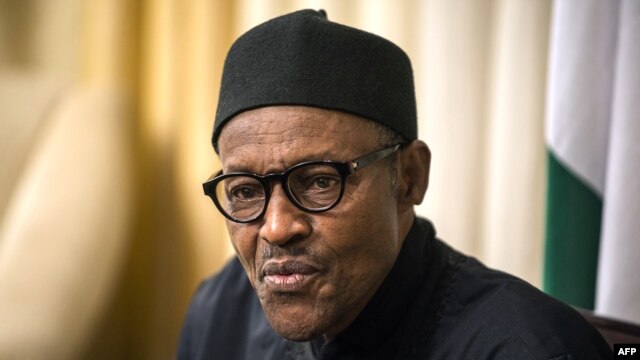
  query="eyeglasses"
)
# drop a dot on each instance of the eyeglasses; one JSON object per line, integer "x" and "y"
{"x": 313, "y": 186}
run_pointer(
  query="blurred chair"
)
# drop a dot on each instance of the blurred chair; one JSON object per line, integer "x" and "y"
{"x": 614, "y": 331}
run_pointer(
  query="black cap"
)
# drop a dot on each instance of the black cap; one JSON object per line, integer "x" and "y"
{"x": 304, "y": 59}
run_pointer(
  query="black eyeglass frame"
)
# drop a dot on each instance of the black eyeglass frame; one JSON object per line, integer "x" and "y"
{"x": 344, "y": 169}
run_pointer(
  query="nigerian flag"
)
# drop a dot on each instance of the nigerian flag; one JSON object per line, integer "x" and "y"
{"x": 592, "y": 249}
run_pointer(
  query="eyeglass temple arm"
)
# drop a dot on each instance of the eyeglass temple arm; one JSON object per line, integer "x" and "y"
{"x": 368, "y": 159}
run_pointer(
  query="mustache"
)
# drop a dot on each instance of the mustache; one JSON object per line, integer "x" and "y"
{"x": 274, "y": 251}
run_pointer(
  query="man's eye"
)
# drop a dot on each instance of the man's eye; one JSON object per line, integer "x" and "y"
{"x": 323, "y": 182}
{"x": 244, "y": 193}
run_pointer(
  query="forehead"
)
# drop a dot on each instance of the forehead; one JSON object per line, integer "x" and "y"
{"x": 281, "y": 136}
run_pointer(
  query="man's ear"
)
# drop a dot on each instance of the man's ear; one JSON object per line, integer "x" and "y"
{"x": 413, "y": 168}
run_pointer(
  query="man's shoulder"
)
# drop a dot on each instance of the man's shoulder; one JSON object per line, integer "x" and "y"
{"x": 225, "y": 318}
{"x": 220, "y": 295}
{"x": 499, "y": 313}
{"x": 230, "y": 282}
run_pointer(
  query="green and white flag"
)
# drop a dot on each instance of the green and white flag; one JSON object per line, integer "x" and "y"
{"x": 593, "y": 140}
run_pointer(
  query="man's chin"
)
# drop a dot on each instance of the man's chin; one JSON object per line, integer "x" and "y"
{"x": 295, "y": 324}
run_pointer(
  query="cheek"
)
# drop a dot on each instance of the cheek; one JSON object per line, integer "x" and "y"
{"x": 243, "y": 240}
{"x": 363, "y": 230}
{"x": 374, "y": 228}
{"x": 371, "y": 210}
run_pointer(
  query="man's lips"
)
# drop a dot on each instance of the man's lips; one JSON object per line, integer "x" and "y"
{"x": 274, "y": 267}
{"x": 287, "y": 275}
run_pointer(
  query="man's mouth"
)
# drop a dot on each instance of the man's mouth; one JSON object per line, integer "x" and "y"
{"x": 287, "y": 275}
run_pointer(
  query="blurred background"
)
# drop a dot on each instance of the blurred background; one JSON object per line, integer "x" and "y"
{"x": 106, "y": 110}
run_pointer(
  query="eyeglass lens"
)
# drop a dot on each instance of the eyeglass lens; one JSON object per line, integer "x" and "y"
{"x": 313, "y": 187}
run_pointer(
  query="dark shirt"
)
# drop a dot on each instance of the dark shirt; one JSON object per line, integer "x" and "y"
{"x": 435, "y": 304}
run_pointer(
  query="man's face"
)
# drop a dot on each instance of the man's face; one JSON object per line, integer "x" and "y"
{"x": 313, "y": 272}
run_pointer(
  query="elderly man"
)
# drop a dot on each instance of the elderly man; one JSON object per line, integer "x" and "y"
{"x": 321, "y": 168}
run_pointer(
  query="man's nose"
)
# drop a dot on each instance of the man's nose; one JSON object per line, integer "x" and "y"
{"x": 283, "y": 221}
